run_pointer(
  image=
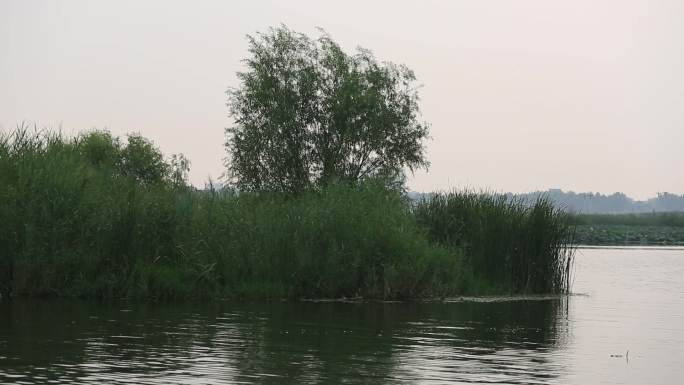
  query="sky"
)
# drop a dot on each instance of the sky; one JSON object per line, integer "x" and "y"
{"x": 521, "y": 95}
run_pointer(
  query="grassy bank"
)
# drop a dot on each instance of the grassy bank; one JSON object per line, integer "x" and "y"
{"x": 102, "y": 217}
{"x": 630, "y": 229}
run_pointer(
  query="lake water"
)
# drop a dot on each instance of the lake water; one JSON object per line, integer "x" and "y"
{"x": 625, "y": 300}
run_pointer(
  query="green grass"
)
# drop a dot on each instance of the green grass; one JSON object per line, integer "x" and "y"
{"x": 99, "y": 217}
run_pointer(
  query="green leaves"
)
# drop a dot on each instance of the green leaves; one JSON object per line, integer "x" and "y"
{"x": 308, "y": 114}
{"x": 142, "y": 161}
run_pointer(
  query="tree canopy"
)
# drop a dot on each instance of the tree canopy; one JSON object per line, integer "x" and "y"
{"x": 306, "y": 114}
{"x": 138, "y": 159}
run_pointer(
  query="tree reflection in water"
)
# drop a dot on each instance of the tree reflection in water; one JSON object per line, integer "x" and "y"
{"x": 508, "y": 341}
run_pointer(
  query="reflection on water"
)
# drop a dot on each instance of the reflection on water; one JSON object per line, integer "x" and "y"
{"x": 299, "y": 342}
{"x": 534, "y": 341}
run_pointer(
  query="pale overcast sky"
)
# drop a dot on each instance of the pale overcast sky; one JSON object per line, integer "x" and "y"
{"x": 522, "y": 95}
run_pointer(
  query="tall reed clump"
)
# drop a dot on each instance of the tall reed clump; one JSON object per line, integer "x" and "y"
{"x": 519, "y": 248}
{"x": 94, "y": 216}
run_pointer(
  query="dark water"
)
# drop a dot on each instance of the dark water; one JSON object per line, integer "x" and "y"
{"x": 630, "y": 300}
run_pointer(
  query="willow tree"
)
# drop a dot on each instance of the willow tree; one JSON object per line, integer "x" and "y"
{"x": 306, "y": 114}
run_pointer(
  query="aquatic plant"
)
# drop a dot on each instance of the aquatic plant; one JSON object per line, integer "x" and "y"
{"x": 669, "y": 219}
{"x": 84, "y": 217}
{"x": 518, "y": 247}
{"x": 90, "y": 217}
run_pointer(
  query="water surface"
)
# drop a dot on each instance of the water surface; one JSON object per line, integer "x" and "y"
{"x": 626, "y": 300}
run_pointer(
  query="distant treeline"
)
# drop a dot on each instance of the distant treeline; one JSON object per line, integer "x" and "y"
{"x": 596, "y": 203}
{"x": 616, "y": 203}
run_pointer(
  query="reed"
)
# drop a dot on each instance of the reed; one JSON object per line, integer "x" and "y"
{"x": 517, "y": 247}
{"x": 83, "y": 217}
{"x": 97, "y": 216}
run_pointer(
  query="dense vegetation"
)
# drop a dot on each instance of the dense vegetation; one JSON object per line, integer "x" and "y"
{"x": 95, "y": 217}
{"x": 526, "y": 248}
{"x": 630, "y": 229}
